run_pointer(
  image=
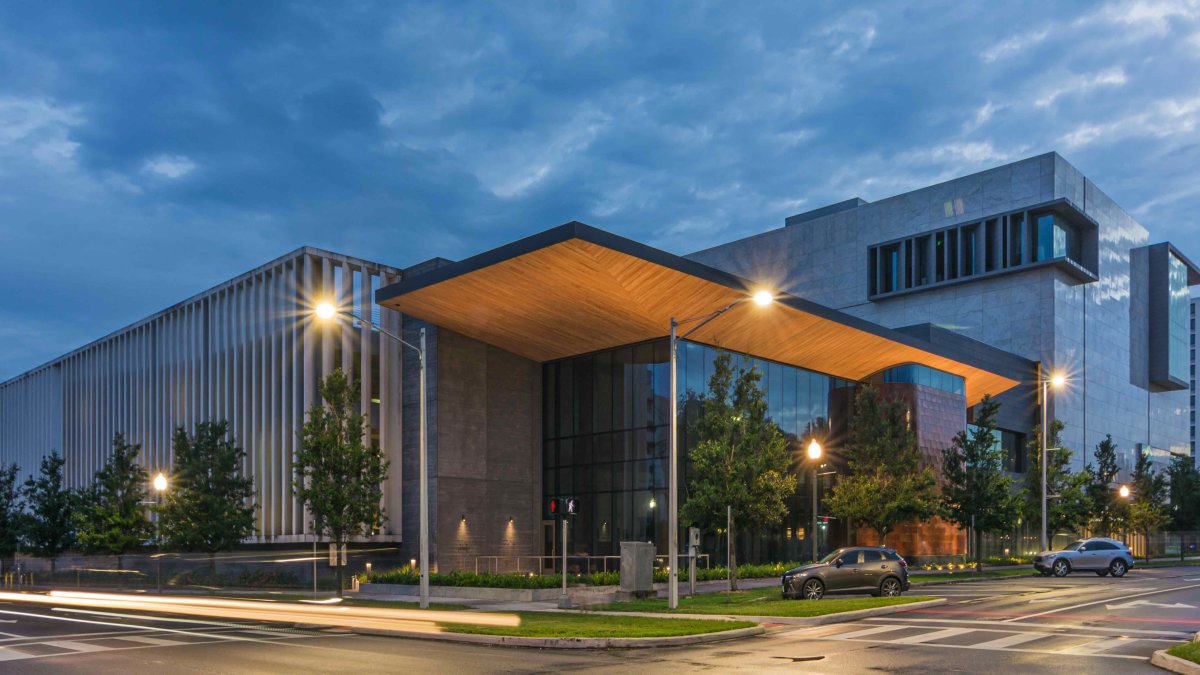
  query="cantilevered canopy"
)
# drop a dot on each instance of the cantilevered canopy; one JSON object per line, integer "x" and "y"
{"x": 576, "y": 289}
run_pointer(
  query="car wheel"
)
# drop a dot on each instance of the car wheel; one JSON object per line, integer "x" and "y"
{"x": 890, "y": 587}
{"x": 813, "y": 589}
{"x": 1061, "y": 568}
{"x": 1118, "y": 568}
{"x": 1101, "y": 573}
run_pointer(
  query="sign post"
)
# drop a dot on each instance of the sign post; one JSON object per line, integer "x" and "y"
{"x": 693, "y": 548}
{"x": 563, "y": 508}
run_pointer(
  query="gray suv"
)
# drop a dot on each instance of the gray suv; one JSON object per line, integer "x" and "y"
{"x": 1100, "y": 555}
{"x": 860, "y": 569}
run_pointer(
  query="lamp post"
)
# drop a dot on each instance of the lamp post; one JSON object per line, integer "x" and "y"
{"x": 160, "y": 486}
{"x": 761, "y": 298}
{"x": 1124, "y": 492}
{"x": 814, "y": 455}
{"x": 326, "y": 310}
{"x": 1057, "y": 380}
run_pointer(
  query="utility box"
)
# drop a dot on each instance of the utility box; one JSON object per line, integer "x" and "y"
{"x": 637, "y": 570}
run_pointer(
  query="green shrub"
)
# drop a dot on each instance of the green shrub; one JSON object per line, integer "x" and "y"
{"x": 409, "y": 576}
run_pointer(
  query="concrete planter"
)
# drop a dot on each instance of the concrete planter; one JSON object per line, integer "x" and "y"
{"x": 483, "y": 593}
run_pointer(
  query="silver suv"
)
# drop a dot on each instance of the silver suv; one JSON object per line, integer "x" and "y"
{"x": 1100, "y": 555}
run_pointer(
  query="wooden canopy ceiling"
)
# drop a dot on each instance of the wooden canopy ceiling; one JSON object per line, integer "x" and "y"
{"x": 576, "y": 289}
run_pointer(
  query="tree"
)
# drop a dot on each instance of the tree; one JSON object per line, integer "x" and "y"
{"x": 1107, "y": 508}
{"x": 1184, "y": 480}
{"x": 209, "y": 507}
{"x": 110, "y": 515}
{"x": 1068, "y": 507}
{"x": 977, "y": 493}
{"x": 49, "y": 528}
{"x": 1147, "y": 503}
{"x": 11, "y": 513}
{"x": 741, "y": 459}
{"x": 338, "y": 477}
{"x": 886, "y": 485}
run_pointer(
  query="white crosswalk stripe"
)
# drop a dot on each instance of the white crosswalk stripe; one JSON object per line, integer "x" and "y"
{"x": 1082, "y": 644}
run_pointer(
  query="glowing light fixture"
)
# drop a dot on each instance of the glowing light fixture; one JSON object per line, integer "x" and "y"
{"x": 325, "y": 310}
{"x": 763, "y": 298}
{"x": 160, "y": 482}
{"x": 814, "y": 450}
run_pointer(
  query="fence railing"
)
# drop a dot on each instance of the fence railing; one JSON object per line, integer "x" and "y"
{"x": 576, "y": 564}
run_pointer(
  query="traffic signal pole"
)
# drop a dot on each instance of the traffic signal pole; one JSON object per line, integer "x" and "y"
{"x": 564, "y": 602}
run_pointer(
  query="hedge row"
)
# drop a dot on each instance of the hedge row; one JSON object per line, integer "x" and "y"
{"x": 409, "y": 576}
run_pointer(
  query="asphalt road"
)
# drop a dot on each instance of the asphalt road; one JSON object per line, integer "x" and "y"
{"x": 1082, "y": 623}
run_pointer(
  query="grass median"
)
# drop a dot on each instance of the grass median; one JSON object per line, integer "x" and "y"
{"x": 556, "y": 624}
{"x": 759, "y": 602}
{"x": 1187, "y": 652}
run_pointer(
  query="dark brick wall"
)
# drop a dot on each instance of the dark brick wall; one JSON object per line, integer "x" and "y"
{"x": 489, "y": 458}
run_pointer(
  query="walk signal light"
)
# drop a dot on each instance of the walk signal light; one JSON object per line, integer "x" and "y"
{"x": 561, "y": 507}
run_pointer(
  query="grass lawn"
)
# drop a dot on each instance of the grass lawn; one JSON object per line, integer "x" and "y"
{"x": 556, "y": 624}
{"x": 1189, "y": 651}
{"x": 1165, "y": 563}
{"x": 759, "y": 602}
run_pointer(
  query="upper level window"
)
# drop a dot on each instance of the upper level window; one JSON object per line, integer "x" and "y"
{"x": 915, "y": 373}
{"x": 1056, "y": 238}
{"x": 1180, "y": 335}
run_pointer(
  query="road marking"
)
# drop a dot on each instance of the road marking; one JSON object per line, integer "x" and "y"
{"x": 1099, "y": 602}
{"x": 977, "y": 646}
{"x": 9, "y": 654}
{"x": 1011, "y": 640}
{"x": 1097, "y": 646}
{"x": 868, "y": 631}
{"x": 157, "y": 642}
{"x": 1174, "y": 636}
{"x": 1147, "y": 603}
{"x": 76, "y": 646}
{"x": 929, "y": 637}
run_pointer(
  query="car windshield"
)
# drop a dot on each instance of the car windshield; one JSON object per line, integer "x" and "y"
{"x": 1073, "y": 546}
{"x": 833, "y": 556}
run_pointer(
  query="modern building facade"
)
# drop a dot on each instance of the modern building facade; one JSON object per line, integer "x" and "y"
{"x": 548, "y": 363}
{"x": 246, "y": 351}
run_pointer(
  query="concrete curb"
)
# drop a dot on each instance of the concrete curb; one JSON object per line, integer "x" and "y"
{"x": 570, "y": 643}
{"x": 1174, "y": 664}
{"x": 838, "y": 617}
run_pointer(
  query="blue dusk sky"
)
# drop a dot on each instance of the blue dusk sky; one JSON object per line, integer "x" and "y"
{"x": 151, "y": 150}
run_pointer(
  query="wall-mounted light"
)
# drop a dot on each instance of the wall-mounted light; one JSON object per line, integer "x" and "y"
{"x": 464, "y": 518}
{"x": 510, "y": 520}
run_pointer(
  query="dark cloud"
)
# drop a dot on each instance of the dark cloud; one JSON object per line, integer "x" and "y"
{"x": 149, "y": 150}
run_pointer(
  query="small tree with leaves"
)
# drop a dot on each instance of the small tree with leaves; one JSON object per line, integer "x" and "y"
{"x": 1148, "y": 510}
{"x": 1107, "y": 508}
{"x": 886, "y": 485}
{"x": 338, "y": 476}
{"x": 977, "y": 493}
{"x": 11, "y": 513}
{"x": 1068, "y": 507}
{"x": 50, "y": 528}
{"x": 110, "y": 514}
{"x": 210, "y": 506}
{"x": 741, "y": 459}
{"x": 1183, "y": 477}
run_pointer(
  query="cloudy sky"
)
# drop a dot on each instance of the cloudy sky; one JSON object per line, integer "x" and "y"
{"x": 149, "y": 151}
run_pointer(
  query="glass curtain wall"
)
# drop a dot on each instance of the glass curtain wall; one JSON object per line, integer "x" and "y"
{"x": 606, "y": 441}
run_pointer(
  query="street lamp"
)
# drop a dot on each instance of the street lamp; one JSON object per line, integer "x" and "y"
{"x": 1057, "y": 380}
{"x": 814, "y": 455}
{"x": 761, "y": 298}
{"x": 326, "y": 310}
{"x": 1124, "y": 492}
{"x": 160, "y": 486}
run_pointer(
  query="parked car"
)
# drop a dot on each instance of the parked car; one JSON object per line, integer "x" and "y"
{"x": 1100, "y": 555}
{"x": 860, "y": 569}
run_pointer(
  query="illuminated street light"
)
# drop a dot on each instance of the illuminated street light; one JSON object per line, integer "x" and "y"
{"x": 761, "y": 298}
{"x": 1058, "y": 380}
{"x": 327, "y": 311}
{"x": 1124, "y": 492}
{"x": 160, "y": 482}
{"x": 814, "y": 454}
